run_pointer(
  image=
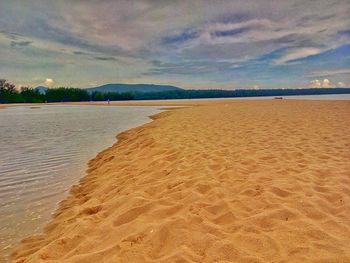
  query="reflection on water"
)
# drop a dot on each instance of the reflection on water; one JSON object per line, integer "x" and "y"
{"x": 44, "y": 151}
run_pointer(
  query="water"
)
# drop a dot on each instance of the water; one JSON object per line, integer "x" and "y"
{"x": 43, "y": 152}
{"x": 309, "y": 97}
{"x": 298, "y": 97}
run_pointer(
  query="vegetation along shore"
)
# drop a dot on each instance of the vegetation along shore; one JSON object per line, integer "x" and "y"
{"x": 9, "y": 93}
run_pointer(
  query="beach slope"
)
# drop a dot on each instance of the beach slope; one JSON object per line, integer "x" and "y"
{"x": 235, "y": 181}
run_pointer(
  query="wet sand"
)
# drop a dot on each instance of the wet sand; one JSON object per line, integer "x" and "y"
{"x": 168, "y": 103}
{"x": 3, "y": 106}
{"x": 228, "y": 181}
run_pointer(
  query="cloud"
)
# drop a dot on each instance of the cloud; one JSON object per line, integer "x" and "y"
{"x": 189, "y": 68}
{"x": 20, "y": 43}
{"x": 77, "y": 52}
{"x": 298, "y": 53}
{"x": 49, "y": 82}
{"x": 326, "y": 83}
{"x": 331, "y": 72}
{"x": 92, "y": 56}
{"x": 214, "y": 33}
{"x": 317, "y": 83}
{"x": 10, "y": 35}
{"x": 187, "y": 44}
{"x": 105, "y": 58}
{"x": 181, "y": 37}
{"x": 341, "y": 85}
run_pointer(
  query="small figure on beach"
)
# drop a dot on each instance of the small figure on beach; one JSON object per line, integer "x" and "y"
{"x": 108, "y": 101}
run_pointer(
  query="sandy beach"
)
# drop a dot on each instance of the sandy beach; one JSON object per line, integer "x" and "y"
{"x": 224, "y": 181}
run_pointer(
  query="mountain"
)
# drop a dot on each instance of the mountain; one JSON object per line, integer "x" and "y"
{"x": 41, "y": 89}
{"x": 133, "y": 88}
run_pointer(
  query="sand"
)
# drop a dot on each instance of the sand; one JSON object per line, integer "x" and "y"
{"x": 237, "y": 181}
{"x": 167, "y": 103}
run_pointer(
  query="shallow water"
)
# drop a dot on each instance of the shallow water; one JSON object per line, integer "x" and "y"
{"x": 298, "y": 97}
{"x": 43, "y": 151}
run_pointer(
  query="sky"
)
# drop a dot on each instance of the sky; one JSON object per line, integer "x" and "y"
{"x": 240, "y": 44}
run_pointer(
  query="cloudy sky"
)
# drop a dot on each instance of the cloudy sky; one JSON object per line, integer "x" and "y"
{"x": 192, "y": 44}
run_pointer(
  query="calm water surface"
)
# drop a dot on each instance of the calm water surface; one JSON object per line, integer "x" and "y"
{"x": 43, "y": 152}
{"x": 297, "y": 97}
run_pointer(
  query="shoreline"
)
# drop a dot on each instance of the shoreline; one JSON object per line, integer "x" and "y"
{"x": 16, "y": 233}
{"x": 4, "y": 253}
{"x": 119, "y": 200}
{"x": 13, "y": 231}
{"x": 74, "y": 191}
{"x": 177, "y": 102}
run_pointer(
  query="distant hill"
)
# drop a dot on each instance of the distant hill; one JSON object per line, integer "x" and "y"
{"x": 41, "y": 89}
{"x": 133, "y": 88}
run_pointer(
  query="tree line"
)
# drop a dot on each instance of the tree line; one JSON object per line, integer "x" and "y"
{"x": 9, "y": 94}
{"x": 216, "y": 93}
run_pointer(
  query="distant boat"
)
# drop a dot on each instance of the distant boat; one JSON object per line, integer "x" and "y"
{"x": 278, "y": 98}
